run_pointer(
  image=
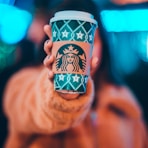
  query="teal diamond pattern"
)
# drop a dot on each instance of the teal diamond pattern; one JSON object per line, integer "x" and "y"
{"x": 76, "y": 81}
{"x": 55, "y": 32}
{"x": 90, "y": 34}
{"x": 73, "y": 30}
{"x": 71, "y": 82}
{"x": 65, "y": 33}
{"x": 80, "y": 35}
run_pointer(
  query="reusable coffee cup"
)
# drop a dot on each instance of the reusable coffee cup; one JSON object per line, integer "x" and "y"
{"x": 73, "y": 38}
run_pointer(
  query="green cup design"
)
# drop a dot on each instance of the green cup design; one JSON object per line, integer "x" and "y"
{"x": 73, "y": 37}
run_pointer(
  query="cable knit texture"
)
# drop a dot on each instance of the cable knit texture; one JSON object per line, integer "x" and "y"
{"x": 40, "y": 118}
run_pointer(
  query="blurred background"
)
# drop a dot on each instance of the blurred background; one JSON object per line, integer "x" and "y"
{"x": 21, "y": 35}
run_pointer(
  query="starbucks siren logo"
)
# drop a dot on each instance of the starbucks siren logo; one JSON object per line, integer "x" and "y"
{"x": 71, "y": 58}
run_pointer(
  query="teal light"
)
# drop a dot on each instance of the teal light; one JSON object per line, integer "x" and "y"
{"x": 14, "y": 23}
{"x": 9, "y": 2}
{"x": 127, "y": 35}
{"x": 6, "y": 55}
{"x": 125, "y": 20}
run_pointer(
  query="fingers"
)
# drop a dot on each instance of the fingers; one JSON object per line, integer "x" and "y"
{"x": 47, "y": 30}
{"x": 94, "y": 65}
{"x": 47, "y": 47}
{"x": 48, "y": 43}
{"x": 48, "y": 61}
{"x": 50, "y": 75}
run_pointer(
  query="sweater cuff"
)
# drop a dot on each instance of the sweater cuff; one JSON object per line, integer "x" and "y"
{"x": 59, "y": 108}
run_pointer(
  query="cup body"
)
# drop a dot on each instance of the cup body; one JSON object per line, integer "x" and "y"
{"x": 73, "y": 38}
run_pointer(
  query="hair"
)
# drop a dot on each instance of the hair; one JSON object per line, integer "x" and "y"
{"x": 76, "y": 63}
{"x": 64, "y": 63}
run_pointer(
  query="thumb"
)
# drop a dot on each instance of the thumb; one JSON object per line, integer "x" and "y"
{"x": 94, "y": 65}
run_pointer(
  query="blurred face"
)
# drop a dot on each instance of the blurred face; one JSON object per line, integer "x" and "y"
{"x": 35, "y": 32}
{"x": 122, "y": 2}
{"x": 97, "y": 49}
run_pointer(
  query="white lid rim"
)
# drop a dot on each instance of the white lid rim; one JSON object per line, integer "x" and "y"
{"x": 74, "y": 15}
{"x": 54, "y": 19}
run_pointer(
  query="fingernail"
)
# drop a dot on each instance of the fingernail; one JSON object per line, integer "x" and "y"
{"x": 47, "y": 41}
{"x": 48, "y": 57}
{"x": 96, "y": 61}
{"x": 49, "y": 74}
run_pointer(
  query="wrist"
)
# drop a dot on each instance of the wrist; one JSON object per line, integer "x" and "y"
{"x": 68, "y": 97}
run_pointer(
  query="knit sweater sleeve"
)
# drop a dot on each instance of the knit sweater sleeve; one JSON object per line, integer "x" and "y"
{"x": 32, "y": 106}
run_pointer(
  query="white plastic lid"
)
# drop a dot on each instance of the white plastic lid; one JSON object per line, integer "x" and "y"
{"x": 73, "y": 15}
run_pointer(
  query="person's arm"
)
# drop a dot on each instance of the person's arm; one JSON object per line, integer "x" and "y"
{"x": 32, "y": 105}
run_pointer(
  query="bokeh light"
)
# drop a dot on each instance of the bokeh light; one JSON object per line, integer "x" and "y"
{"x": 125, "y": 20}
{"x": 127, "y": 34}
{"x": 9, "y": 2}
{"x": 14, "y": 23}
{"x": 6, "y": 51}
